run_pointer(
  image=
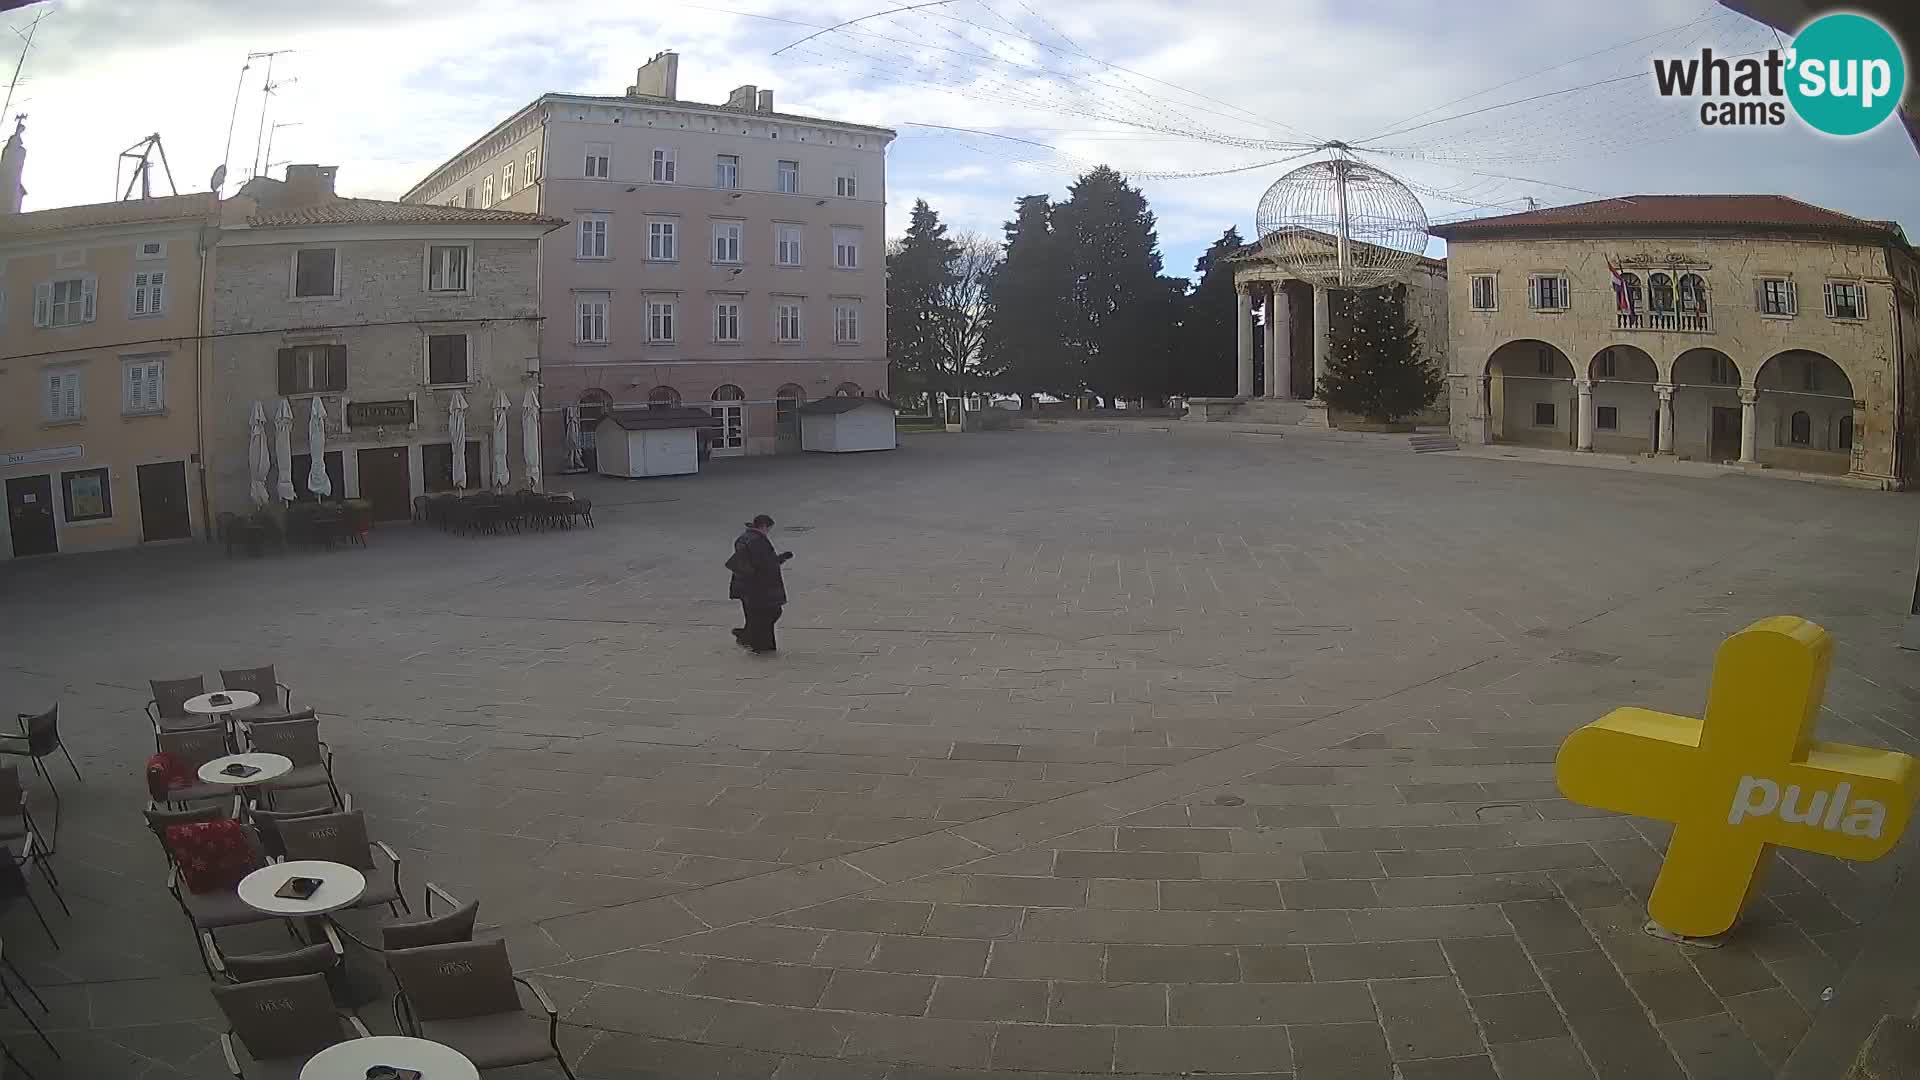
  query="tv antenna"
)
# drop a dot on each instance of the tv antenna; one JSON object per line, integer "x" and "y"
{"x": 269, "y": 163}
{"x": 233, "y": 118}
{"x": 267, "y": 87}
{"x": 27, "y": 34}
{"x": 142, "y": 154}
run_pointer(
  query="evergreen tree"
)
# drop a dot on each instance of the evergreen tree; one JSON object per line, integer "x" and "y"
{"x": 1118, "y": 316}
{"x": 1207, "y": 361}
{"x": 1026, "y": 303}
{"x": 1375, "y": 367}
{"x": 919, "y": 271}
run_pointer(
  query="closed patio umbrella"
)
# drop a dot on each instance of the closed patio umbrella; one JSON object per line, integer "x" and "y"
{"x": 257, "y": 454}
{"x": 530, "y": 436}
{"x": 317, "y": 480}
{"x": 576, "y": 460}
{"x": 283, "y": 449}
{"x": 457, "y": 435}
{"x": 502, "y": 408}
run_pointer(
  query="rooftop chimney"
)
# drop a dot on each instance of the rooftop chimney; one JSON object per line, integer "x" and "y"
{"x": 659, "y": 77}
{"x": 742, "y": 97}
{"x": 13, "y": 163}
{"x": 766, "y": 101}
{"x": 309, "y": 184}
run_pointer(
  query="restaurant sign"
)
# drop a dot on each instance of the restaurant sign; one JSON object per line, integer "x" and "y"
{"x": 379, "y": 413}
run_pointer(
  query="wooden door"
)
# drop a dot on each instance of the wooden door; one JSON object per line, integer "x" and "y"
{"x": 386, "y": 483}
{"x": 30, "y": 515}
{"x": 163, "y": 501}
{"x": 1723, "y": 443}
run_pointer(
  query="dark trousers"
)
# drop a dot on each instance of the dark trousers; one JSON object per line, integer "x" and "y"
{"x": 760, "y": 620}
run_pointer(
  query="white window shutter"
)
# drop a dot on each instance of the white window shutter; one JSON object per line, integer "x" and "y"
{"x": 1828, "y": 289}
{"x": 1859, "y": 301}
{"x": 136, "y": 393}
{"x": 86, "y": 294}
{"x": 153, "y": 384}
{"x": 1793, "y": 298}
{"x": 1533, "y": 291}
{"x": 43, "y": 303}
{"x": 156, "y": 285}
{"x": 53, "y": 397}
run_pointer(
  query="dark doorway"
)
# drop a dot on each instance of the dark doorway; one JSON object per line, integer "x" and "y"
{"x": 336, "y": 475}
{"x": 386, "y": 483}
{"x": 30, "y": 515}
{"x": 163, "y": 502}
{"x": 1723, "y": 444}
{"x": 436, "y": 467}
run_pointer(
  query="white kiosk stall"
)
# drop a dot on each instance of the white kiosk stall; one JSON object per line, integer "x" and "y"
{"x": 844, "y": 425}
{"x": 651, "y": 442}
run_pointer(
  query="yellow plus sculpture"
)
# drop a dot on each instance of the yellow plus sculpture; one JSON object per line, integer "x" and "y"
{"x": 1744, "y": 778}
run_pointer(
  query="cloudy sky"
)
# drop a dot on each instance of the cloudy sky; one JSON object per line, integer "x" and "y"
{"x": 387, "y": 89}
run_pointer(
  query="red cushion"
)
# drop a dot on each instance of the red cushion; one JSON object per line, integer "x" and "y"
{"x": 212, "y": 855}
{"x": 164, "y": 773}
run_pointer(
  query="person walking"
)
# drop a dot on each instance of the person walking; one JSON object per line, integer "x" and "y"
{"x": 758, "y": 584}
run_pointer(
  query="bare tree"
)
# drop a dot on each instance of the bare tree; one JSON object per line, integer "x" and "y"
{"x": 964, "y": 314}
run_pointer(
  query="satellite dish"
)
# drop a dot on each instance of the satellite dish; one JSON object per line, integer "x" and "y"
{"x": 219, "y": 179}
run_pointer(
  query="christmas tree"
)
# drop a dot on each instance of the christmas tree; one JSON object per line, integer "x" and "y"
{"x": 1375, "y": 368}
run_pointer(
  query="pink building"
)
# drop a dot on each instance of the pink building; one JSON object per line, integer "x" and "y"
{"x": 729, "y": 256}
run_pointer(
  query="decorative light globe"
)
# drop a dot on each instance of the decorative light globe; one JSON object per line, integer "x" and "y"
{"x": 1300, "y": 225}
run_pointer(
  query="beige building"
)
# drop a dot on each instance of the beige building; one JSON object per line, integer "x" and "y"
{"x": 389, "y": 317}
{"x": 730, "y": 256}
{"x": 1740, "y": 328}
{"x": 100, "y": 394}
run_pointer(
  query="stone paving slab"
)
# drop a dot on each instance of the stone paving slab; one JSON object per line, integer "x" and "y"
{"x": 1083, "y": 755}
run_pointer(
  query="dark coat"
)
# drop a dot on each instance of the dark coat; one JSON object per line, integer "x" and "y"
{"x": 763, "y": 585}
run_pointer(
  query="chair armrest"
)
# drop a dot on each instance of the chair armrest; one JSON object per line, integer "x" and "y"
{"x": 286, "y": 696}
{"x": 358, "y": 1026}
{"x": 392, "y": 856}
{"x": 545, "y": 1002}
{"x": 333, "y": 939}
{"x": 212, "y": 949}
{"x": 435, "y": 890}
{"x": 151, "y": 706}
{"x": 173, "y": 879}
{"x": 346, "y": 803}
{"x": 226, "y": 1048}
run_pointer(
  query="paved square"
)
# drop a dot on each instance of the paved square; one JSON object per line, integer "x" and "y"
{"x": 1140, "y": 754}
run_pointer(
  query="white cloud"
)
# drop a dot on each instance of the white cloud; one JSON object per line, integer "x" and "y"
{"x": 387, "y": 90}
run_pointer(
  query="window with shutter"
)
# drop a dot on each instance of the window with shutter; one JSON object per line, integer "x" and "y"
{"x": 447, "y": 359}
{"x": 313, "y": 369}
{"x": 447, "y": 268}
{"x": 143, "y": 386}
{"x": 63, "y": 395}
{"x": 66, "y": 302}
{"x": 1483, "y": 298}
{"x": 149, "y": 292}
{"x": 1846, "y": 300}
{"x": 43, "y": 304}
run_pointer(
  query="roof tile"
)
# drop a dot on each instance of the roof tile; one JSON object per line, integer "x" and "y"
{"x": 1724, "y": 211}
{"x": 382, "y": 212}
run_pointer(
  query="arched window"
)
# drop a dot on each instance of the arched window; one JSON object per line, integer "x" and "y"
{"x": 593, "y": 403}
{"x": 663, "y": 395}
{"x": 1846, "y": 432}
{"x": 1634, "y": 295}
{"x": 1660, "y": 293}
{"x": 729, "y": 392}
{"x": 847, "y": 389}
{"x": 1800, "y": 431}
{"x": 1693, "y": 294}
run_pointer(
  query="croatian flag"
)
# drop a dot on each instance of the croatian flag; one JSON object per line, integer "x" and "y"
{"x": 1621, "y": 299}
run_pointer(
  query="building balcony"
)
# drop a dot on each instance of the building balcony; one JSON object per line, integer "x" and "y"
{"x": 1672, "y": 322}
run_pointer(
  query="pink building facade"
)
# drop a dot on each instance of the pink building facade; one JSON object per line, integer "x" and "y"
{"x": 726, "y": 256}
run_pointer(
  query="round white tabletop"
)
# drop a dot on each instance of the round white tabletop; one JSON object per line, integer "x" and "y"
{"x": 271, "y": 766}
{"x": 340, "y": 885}
{"x": 350, "y": 1060}
{"x": 204, "y": 705}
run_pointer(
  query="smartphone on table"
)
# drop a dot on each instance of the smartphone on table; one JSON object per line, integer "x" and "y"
{"x": 299, "y": 888}
{"x": 239, "y": 769}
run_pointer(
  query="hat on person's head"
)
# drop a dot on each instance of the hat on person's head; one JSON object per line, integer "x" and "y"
{"x": 761, "y": 521}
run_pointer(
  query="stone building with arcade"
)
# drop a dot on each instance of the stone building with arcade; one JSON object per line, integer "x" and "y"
{"x": 1746, "y": 329}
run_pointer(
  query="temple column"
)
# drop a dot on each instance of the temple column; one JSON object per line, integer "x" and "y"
{"x": 1322, "y": 337}
{"x": 1749, "y": 421}
{"x": 1245, "y": 310}
{"x": 1583, "y": 440}
{"x": 1280, "y": 344}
